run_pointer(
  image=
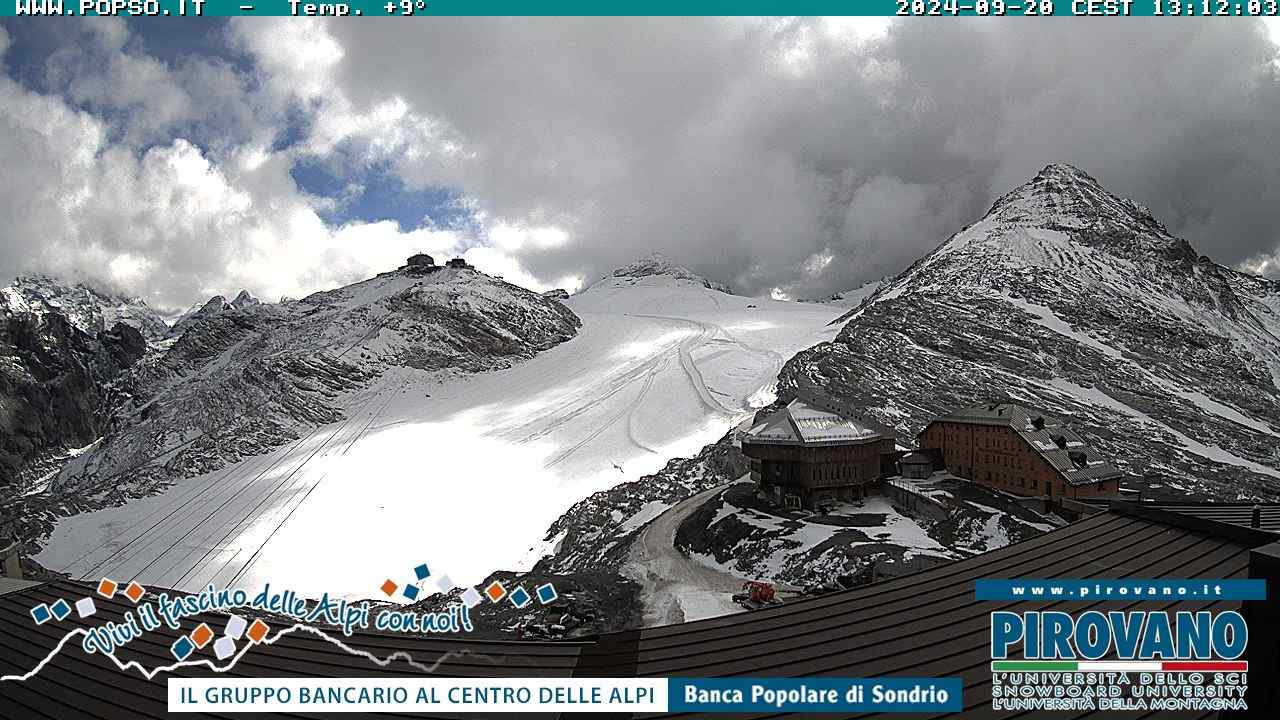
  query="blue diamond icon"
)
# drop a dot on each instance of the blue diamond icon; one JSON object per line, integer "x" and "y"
{"x": 547, "y": 593}
{"x": 422, "y": 572}
{"x": 520, "y": 597}
{"x": 60, "y": 609}
{"x": 182, "y": 648}
{"x": 41, "y": 614}
{"x": 411, "y": 592}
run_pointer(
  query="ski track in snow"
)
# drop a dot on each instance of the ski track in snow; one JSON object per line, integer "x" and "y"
{"x": 463, "y": 473}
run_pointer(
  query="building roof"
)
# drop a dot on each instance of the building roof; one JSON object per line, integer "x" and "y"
{"x": 926, "y": 624}
{"x": 1240, "y": 514}
{"x": 1060, "y": 446}
{"x": 916, "y": 458}
{"x": 805, "y": 423}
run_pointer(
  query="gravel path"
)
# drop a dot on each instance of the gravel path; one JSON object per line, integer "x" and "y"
{"x": 675, "y": 587}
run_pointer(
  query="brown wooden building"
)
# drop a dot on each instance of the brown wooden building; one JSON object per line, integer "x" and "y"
{"x": 1012, "y": 448}
{"x": 813, "y": 451}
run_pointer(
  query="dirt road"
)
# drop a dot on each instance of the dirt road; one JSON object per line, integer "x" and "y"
{"x": 675, "y": 587}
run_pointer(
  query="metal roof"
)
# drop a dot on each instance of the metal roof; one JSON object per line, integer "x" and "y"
{"x": 1060, "y": 446}
{"x": 802, "y": 423}
{"x": 925, "y": 624}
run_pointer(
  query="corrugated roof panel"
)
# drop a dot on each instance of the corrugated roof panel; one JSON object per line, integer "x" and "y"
{"x": 925, "y": 624}
{"x": 803, "y": 424}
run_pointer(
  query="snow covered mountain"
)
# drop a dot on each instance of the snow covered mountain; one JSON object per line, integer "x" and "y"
{"x": 1067, "y": 297}
{"x": 656, "y": 267}
{"x": 363, "y": 409}
{"x": 244, "y": 377}
{"x": 89, "y": 309}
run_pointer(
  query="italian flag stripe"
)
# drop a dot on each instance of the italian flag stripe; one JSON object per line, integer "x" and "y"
{"x": 1118, "y": 666}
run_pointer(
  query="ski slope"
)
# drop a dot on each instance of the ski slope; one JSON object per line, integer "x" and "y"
{"x": 463, "y": 473}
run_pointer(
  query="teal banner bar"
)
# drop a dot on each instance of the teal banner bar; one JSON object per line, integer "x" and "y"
{"x": 427, "y": 8}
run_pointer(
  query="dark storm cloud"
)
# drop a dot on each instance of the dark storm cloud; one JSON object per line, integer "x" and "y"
{"x": 768, "y": 154}
{"x": 779, "y": 154}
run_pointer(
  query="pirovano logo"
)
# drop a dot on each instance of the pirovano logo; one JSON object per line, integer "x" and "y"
{"x": 1120, "y": 659}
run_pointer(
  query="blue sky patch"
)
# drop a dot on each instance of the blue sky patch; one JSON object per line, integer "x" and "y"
{"x": 377, "y": 194}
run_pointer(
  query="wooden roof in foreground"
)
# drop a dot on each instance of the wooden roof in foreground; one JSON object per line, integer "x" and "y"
{"x": 925, "y": 624}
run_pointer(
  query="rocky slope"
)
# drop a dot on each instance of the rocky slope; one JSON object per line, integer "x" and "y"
{"x": 57, "y": 382}
{"x": 596, "y": 533}
{"x": 247, "y": 376}
{"x": 1074, "y": 300}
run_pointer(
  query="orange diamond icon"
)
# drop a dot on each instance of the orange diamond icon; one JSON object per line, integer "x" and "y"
{"x": 389, "y": 588}
{"x": 107, "y": 588}
{"x": 202, "y": 635}
{"x": 258, "y": 630}
{"x": 495, "y": 591}
{"x": 135, "y": 591}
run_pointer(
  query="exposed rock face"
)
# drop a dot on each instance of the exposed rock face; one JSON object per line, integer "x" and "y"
{"x": 1071, "y": 299}
{"x": 56, "y": 384}
{"x": 243, "y": 379}
{"x": 557, "y": 294}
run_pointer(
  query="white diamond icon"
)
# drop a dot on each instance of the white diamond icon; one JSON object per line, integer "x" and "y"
{"x": 471, "y": 598}
{"x": 224, "y": 647}
{"x": 445, "y": 583}
{"x": 235, "y": 627}
{"x": 85, "y": 607}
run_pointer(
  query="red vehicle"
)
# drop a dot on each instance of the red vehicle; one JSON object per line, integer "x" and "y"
{"x": 756, "y": 595}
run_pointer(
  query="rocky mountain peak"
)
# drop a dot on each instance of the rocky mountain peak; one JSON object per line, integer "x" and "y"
{"x": 245, "y": 299}
{"x": 1069, "y": 298}
{"x": 1065, "y": 198}
{"x": 217, "y": 303}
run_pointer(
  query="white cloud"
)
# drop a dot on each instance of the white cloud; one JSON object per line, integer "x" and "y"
{"x": 794, "y": 156}
{"x": 515, "y": 237}
{"x": 749, "y": 148}
{"x": 172, "y": 221}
